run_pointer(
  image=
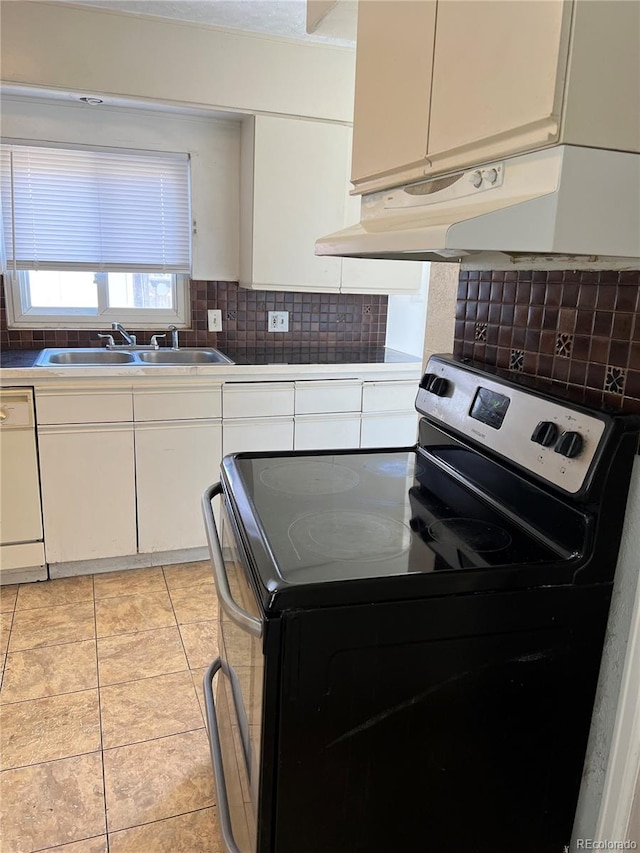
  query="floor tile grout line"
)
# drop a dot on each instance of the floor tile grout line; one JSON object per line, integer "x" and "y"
{"x": 160, "y": 820}
{"x": 50, "y": 760}
{"x": 66, "y": 843}
{"x": 184, "y": 649}
{"x": 52, "y": 645}
{"x": 4, "y": 704}
{"x": 55, "y": 604}
{"x": 142, "y": 678}
{"x": 6, "y": 651}
{"x": 152, "y": 739}
{"x": 104, "y": 776}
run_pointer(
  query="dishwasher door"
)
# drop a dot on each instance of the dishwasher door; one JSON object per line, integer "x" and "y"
{"x": 21, "y": 539}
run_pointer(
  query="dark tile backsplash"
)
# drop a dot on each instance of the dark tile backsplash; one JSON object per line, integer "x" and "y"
{"x": 580, "y": 330}
{"x": 319, "y": 318}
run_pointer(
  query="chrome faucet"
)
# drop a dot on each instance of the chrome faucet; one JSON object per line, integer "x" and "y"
{"x": 130, "y": 340}
{"x": 174, "y": 337}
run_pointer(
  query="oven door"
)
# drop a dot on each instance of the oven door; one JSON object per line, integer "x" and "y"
{"x": 234, "y": 716}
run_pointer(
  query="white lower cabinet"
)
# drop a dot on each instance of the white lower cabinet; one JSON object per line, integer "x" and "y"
{"x": 130, "y": 484}
{"x": 175, "y": 462}
{"x": 88, "y": 491}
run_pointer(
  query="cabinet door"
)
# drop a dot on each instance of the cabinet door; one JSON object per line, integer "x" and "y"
{"x": 88, "y": 492}
{"x": 257, "y": 434}
{"x": 327, "y": 432}
{"x": 498, "y": 76}
{"x": 393, "y": 85}
{"x": 175, "y": 462}
{"x": 299, "y": 176}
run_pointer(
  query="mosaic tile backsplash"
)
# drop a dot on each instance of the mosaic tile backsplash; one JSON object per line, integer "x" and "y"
{"x": 580, "y": 330}
{"x": 321, "y": 318}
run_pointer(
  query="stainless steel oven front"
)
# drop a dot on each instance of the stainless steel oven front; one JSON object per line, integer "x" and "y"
{"x": 234, "y": 714}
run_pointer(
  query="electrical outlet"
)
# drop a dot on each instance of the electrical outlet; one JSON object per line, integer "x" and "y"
{"x": 278, "y": 321}
{"x": 214, "y": 318}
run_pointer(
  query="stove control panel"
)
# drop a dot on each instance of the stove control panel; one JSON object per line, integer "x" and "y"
{"x": 547, "y": 438}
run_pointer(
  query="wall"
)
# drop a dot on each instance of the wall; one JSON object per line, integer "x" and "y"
{"x": 321, "y": 319}
{"x": 441, "y": 304}
{"x": 580, "y": 330}
{"x": 406, "y": 318}
{"x": 106, "y": 52}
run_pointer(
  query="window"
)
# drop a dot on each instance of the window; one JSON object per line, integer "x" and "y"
{"x": 94, "y": 235}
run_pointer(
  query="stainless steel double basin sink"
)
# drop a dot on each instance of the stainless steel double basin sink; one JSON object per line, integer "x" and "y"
{"x": 131, "y": 357}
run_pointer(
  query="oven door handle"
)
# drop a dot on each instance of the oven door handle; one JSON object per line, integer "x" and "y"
{"x": 215, "y": 748}
{"x": 242, "y": 619}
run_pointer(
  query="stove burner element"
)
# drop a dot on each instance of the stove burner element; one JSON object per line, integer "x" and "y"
{"x": 479, "y": 536}
{"x": 364, "y": 537}
{"x": 309, "y": 478}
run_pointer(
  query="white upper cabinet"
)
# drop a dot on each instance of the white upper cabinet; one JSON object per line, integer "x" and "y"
{"x": 292, "y": 185}
{"x": 445, "y": 85}
{"x": 295, "y": 188}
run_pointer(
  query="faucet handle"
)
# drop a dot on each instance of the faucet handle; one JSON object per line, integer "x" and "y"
{"x": 110, "y": 342}
{"x": 155, "y": 339}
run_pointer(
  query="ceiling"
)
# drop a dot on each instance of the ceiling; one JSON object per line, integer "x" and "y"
{"x": 273, "y": 17}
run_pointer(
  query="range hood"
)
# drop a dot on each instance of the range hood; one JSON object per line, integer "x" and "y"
{"x": 562, "y": 206}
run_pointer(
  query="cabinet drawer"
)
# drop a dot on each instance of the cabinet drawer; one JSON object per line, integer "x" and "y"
{"x": 389, "y": 396}
{"x": 257, "y": 434}
{"x": 389, "y": 430}
{"x": 79, "y": 407}
{"x": 173, "y": 403}
{"x": 257, "y": 399}
{"x": 335, "y": 396}
{"x": 327, "y": 432}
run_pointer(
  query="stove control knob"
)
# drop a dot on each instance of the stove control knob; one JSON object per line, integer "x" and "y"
{"x": 476, "y": 178}
{"x": 570, "y": 444}
{"x": 426, "y": 380}
{"x": 546, "y": 433}
{"x": 439, "y": 386}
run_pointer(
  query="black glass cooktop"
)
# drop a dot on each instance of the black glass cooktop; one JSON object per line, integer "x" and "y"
{"x": 322, "y": 518}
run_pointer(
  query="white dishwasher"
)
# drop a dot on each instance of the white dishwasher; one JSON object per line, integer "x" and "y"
{"x": 21, "y": 540}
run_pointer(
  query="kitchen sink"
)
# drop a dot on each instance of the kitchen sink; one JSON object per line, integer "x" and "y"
{"x": 133, "y": 358}
{"x": 183, "y": 356}
{"x": 75, "y": 357}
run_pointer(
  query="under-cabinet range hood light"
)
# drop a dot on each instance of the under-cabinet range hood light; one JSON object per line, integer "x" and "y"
{"x": 564, "y": 206}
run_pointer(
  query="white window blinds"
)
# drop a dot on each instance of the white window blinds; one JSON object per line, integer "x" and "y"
{"x": 95, "y": 210}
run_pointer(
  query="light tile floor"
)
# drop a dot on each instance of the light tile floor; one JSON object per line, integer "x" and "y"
{"x": 102, "y": 738}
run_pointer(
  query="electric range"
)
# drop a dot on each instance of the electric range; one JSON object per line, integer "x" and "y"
{"x": 410, "y": 638}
